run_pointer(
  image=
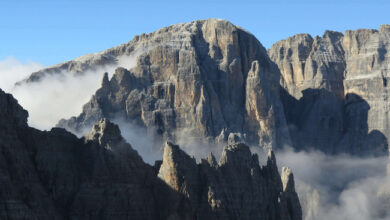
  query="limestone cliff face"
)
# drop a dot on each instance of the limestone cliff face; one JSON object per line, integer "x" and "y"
{"x": 55, "y": 175}
{"x": 336, "y": 90}
{"x": 305, "y": 62}
{"x": 206, "y": 79}
{"x": 235, "y": 188}
{"x": 367, "y": 71}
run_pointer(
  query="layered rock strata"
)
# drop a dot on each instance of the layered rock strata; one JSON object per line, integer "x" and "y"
{"x": 339, "y": 90}
{"x": 204, "y": 79}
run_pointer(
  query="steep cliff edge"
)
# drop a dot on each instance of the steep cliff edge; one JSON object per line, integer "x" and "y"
{"x": 336, "y": 90}
{"x": 55, "y": 175}
{"x": 210, "y": 80}
{"x": 205, "y": 79}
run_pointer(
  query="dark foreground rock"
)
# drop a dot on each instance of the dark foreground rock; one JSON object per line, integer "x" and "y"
{"x": 55, "y": 175}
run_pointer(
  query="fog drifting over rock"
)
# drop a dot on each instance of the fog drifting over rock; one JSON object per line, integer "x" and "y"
{"x": 55, "y": 96}
{"x": 329, "y": 187}
{"x": 338, "y": 187}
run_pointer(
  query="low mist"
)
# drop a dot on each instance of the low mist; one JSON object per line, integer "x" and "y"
{"x": 339, "y": 187}
{"x": 13, "y": 70}
{"x": 329, "y": 187}
{"x": 55, "y": 96}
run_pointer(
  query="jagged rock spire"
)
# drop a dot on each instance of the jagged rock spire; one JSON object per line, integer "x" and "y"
{"x": 105, "y": 133}
{"x": 231, "y": 189}
{"x": 105, "y": 80}
{"x": 11, "y": 113}
{"x": 287, "y": 180}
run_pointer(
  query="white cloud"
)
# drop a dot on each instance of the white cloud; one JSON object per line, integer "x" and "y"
{"x": 12, "y": 70}
{"x": 55, "y": 96}
{"x": 338, "y": 187}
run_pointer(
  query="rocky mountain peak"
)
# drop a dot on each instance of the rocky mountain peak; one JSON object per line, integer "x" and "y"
{"x": 11, "y": 113}
{"x": 179, "y": 171}
{"x": 384, "y": 28}
{"x": 235, "y": 155}
{"x": 193, "y": 77}
{"x": 271, "y": 159}
{"x": 338, "y": 72}
{"x": 333, "y": 35}
{"x": 105, "y": 133}
{"x": 211, "y": 160}
{"x": 289, "y": 197}
{"x": 105, "y": 80}
{"x": 287, "y": 179}
{"x": 212, "y": 189}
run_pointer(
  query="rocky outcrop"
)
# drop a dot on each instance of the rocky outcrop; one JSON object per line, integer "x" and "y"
{"x": 204, "y": 79}
{"x": 234, "y": 188}
{"x": 307, "y": 62}
{"x": 367, "y": 72}
{"x": 336, "y": 90}
{"x": 213, "y": 81}
{"x": 55, "y": 175}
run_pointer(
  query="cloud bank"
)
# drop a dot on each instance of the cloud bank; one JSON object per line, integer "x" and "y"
{"x": 339, "y": 187}
{"x": 13, "y": 70}
{"x": 55, "y": 96}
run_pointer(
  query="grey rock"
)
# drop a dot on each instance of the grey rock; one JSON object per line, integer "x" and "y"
{"x": 235, "y": 188}
{"x": 307, "y": 62}
{"x": 193, "y": 81}
{"x": 55, "y": 175}
{"x": 335, "y": 96}
{"x": 289, "y": 196}
{"x": 209, "y": 79}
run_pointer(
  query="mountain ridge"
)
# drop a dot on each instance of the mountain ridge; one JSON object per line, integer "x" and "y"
{"x": 243, "y": 99}
{"x": 55, "y": 175}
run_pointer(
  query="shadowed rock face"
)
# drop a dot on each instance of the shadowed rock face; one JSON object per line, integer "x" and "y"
{"x": 55, "y": 175}
{"x": 235, "y": 188}
{"x": 341, "y": 84}
{"x": 207, "y": 79}
{"x": 321, "y": 120}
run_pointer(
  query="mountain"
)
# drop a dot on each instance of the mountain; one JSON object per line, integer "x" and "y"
{"x": 336, "y": 89}
{"x": 211, "y": 80}
{"x": 55, "y": 175}
{"x": 204, "y": 80}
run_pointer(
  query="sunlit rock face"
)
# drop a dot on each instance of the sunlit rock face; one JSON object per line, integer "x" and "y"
{"x": 307, "y": 62}
{"x": 204, "y": 79}
{"x": 367, "y": 71}
{"x": 212, "y": 81}
{"x": 336, "y": 90}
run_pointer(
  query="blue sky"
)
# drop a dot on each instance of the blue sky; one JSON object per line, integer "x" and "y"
{"x": 53, "y": 31}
